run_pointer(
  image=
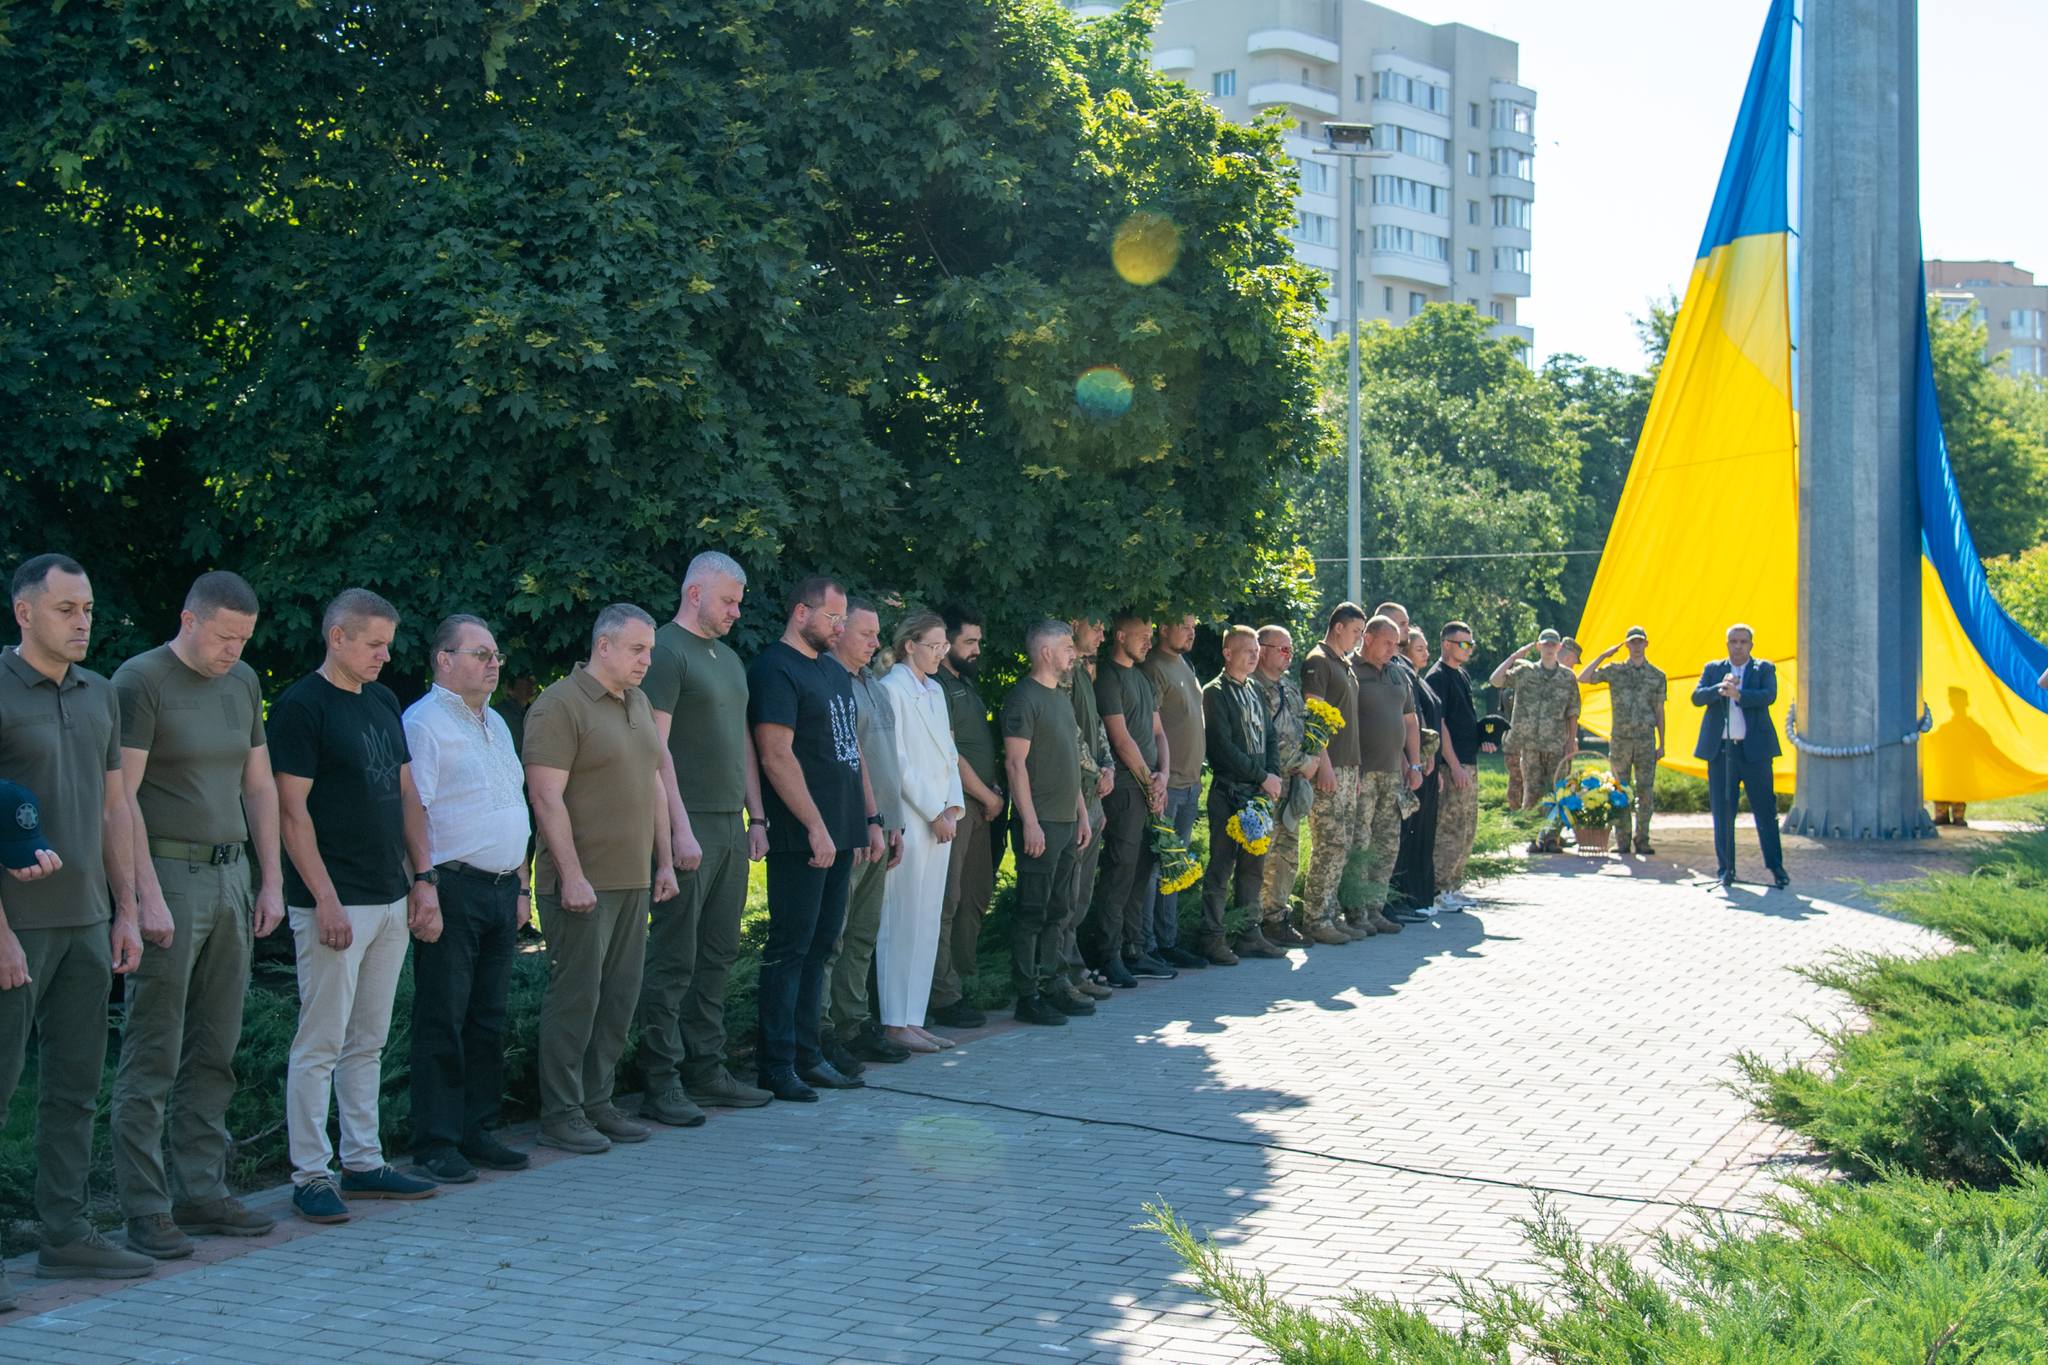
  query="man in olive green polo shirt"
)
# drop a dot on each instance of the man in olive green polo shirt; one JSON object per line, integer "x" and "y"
{"x": 1042, "y": 755}
{"x": 1181, "y": 712}
{"x": 593, "y": 772}
{"x": 594, "y": 780}
{"x": 1389, "y": 761}
{"x": 972, "y": 861}
{"x": 709, "y": 778}
{"x": 194, "y": 755}
{"x": 60, "y": 737}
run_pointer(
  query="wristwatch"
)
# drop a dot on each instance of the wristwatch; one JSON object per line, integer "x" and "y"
{"x": 432, "y": 876}
{"x": 876, "y": 821}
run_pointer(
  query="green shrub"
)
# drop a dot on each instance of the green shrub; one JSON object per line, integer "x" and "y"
{"x": 2005, "y": 900}
{"x": 1950, "y": 1078}
{"x": 1900, "y": 1270}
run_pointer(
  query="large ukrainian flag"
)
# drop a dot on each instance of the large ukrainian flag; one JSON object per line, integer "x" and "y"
{"x": 1707, "y": 532}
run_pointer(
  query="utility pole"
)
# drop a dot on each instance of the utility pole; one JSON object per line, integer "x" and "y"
{"x": 1860, "y": 304}
{"x": 1352, "y": 142}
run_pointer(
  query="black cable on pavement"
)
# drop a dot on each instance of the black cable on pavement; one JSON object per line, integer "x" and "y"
{"x": 1493, "y": 1181}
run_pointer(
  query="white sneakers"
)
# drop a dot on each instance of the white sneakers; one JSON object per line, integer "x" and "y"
{"x": 1451, "y": 902}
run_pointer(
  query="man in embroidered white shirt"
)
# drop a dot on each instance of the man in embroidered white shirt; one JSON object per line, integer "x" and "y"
{"x": 470, "y": 780}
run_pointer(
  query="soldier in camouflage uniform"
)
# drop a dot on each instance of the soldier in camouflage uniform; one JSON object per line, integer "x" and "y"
{"x": 1511, "y": 752}
{"x": 1546, "y": 730}
{"x": 1287, "y": 718}
{"x": 1636, "y": 693}
{"x": 1098, "y": 772}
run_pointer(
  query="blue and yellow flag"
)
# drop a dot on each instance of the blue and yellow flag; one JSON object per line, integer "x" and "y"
{"x": 1707, "y": 531}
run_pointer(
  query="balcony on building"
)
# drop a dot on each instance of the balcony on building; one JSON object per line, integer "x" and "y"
{"x": 1174, "y": 60}
{"x": 1512, "y": 284}
{"x": 1398, "y": 265}
{"x": 1292, "y": 42}
{"x": 1511, "y": 236}
{"x": 1515, "y": 330}
{"x": 1089, "y": 9}
{"x": 1265, "y": 94}
{"x": 1512, "y": 186}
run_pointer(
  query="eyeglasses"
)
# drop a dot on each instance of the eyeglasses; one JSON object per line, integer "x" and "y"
{"x": 481, "y": 655}
{"x": 1284, "y": 649}
{"x": 1462, "y": 644}
{"x": 833, "y": 617}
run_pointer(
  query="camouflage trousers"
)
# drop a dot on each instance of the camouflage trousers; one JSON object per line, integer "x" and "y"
{"x": 1457, "y": 817}
{"x": 1379, "y": 834}
{"x": 1635, "y": 769}
{"x": 1333, "y": 832}
{"x": 1283, "y": 859}
{"x": 1513, "y": 763}
{"x": 1539, "y": 775}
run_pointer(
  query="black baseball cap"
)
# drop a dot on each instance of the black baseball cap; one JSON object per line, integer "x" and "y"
{"x": 21, "y": 826}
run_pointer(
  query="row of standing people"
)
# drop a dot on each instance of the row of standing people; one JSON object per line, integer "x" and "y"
{"x": 653, "y": 774}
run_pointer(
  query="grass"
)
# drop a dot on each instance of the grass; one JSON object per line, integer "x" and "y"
{"x": 1935, "y": 1251}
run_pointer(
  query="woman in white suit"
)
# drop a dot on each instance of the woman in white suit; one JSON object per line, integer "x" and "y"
{"x": 914, "y": 894}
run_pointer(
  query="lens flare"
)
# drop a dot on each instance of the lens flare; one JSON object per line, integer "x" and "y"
{"x": 1146, "y": 248}
{"x": 1103, "y": 392}
{"x": 951, "y": 1146}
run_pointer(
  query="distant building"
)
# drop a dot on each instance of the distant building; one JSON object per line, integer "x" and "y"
{"x": 1446, "y": 217}
{"x": 2013, "y": 309}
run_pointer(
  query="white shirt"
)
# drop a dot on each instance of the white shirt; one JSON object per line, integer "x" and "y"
{"x": 470, "y": 781}
{"x": 1738, "y": 724}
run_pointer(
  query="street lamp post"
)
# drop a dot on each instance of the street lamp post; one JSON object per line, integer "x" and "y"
{"x": 1352, "y": 142}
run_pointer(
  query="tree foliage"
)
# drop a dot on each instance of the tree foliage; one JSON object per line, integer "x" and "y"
{"x": 1996, "y": 427}
{"x": 512, "y": 307}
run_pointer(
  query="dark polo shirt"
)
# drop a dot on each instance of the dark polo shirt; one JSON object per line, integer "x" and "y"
{"x": 609, "y": 747}
{"x": 61, "y": 741}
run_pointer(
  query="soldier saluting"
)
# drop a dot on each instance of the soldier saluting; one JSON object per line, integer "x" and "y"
{"x": 1636, "y": 690}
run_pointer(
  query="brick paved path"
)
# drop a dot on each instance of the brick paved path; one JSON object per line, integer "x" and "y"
{"x": 1575, "y": 1033}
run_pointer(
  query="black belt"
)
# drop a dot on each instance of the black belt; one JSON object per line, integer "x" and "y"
{"x": 218, "y": 855}
{"x": 479, "y": 874}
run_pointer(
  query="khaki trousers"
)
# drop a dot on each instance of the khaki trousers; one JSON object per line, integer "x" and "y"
{"x": 692, "y": 942}
{"x": 847, "y": 974}
{"x": 1457, "y": 818}
{"x": 595, "y": 960}
{"x": 1539, "y": 775}
{"x": 970, "y": 885}
{"x": 344, "y": 1018}
{"x": 65, "y": 1005}
{"x": 183, "y": 1020}
{"x": 1333, "y": 833}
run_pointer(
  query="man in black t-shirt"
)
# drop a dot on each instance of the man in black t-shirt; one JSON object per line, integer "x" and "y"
{"x": 821, "y": 818}
{"x": 1458, "y": 785}
{"x": 351, "y": 821}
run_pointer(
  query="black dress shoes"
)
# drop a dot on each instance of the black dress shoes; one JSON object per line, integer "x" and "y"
{"x": 840, "y": 1059}
{"x": 826, "y": 1076}
{"x": 872, "y": 1045}
{"x": 959, "y": 1014}
{"x": 783, "y": 1085}
{"x": 1779, "y": 879}
{"x": 1727, "y": 880}
{"x": 1036, "y": 1009}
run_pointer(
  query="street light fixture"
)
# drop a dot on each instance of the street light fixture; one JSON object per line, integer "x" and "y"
{"x": 1353, "y": 142}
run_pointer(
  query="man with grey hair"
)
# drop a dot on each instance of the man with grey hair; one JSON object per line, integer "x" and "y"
{"x": 474, "y": 790}
{"x": 709, "y": 780}
{"x": 1042, "y": 756}
{"x": 194, "y": 754}
{"x": 593, "y": 772}
{"x": 351, "y": 821}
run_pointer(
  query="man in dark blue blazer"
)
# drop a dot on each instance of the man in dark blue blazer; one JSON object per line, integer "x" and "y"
{"x": 1738, "y": 739}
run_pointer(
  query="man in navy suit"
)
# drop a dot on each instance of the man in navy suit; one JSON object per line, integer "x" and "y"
{"x": 1738, "y": 739}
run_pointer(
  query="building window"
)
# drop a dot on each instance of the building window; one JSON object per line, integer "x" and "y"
{"x": 1499, "y": 311}
{"x": 1511, "y": 212}
{"x": 1471, "y": 163}
{"x": 1514, "y": 258}
{"x": 1516, "y": 164}
{"x": 1224, "y": 83}
{"x": 1392, "y": 85}
{"x": 1472, "y": 211}
{"x": 1472, "y": 304}
{"x": 2027, "y": 323}
{"x": 1409, "y": 242}
{"x": 1395, "y": 138}
{"x": 1401, "y": 192}
{"x": 1472, "y": 115}
{"x": 1315, "y": 229}
{"x": 1390, "y": 297}
{"x": 1514, "y": 117}
{"x": 1416, "y": 303}
{"x": 2024, "y": 360}
{"x": 1317, "y": 177}
{"x": 1472, "y": 260}
{"x": 1358, "y": 88}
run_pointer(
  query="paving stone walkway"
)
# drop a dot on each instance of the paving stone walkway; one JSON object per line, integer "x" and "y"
{"x": 1368, "y": 1117}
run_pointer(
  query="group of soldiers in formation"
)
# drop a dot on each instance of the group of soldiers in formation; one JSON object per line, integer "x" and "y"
{"x": 161, "y": 822}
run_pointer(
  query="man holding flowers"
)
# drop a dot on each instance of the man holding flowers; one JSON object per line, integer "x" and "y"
{"x": 1244, "y": 781}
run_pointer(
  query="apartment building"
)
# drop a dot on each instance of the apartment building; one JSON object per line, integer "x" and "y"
{"x": 1444, "y": 214}
{"x": 2013, "y": 309}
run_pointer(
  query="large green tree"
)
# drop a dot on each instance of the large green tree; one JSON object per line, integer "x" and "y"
{"x": 1996, "y": 427}
{"x": 514, "y": 306}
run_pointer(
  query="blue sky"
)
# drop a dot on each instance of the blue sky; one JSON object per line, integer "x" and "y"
{"x": 1636, "y": 99}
